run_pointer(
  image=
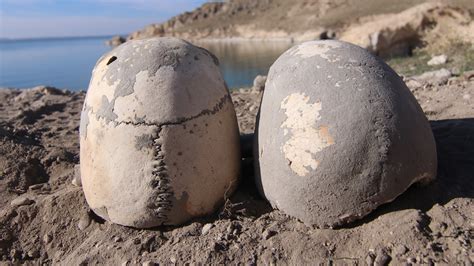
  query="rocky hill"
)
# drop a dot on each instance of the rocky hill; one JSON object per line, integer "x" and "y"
{"x": 386, "y": 27}
{"x": 297, "y": 19}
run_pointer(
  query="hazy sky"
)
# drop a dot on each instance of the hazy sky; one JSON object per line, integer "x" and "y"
{"x": 47, "y": 18}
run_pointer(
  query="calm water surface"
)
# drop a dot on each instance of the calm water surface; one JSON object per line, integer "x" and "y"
{"x": 67, "y": 63}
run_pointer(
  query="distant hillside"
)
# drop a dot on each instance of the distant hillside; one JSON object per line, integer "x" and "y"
{"x": 269, "y": 19}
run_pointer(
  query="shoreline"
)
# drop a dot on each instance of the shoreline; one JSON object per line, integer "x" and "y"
{"x": 243, "y": 39}
{"x": 289, "y": 38}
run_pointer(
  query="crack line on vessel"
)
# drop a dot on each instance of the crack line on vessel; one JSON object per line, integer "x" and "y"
{"x": 220, "y": 104}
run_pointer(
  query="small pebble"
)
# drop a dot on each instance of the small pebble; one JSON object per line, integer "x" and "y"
{"x": 205, "y": 229}
{"x": 173, "y": 260}
{"x": 148, "y": 263}
{"x": 231, "y": 228}
{"x": 382, "y": 258}
{"x": 430, "y": 262}
{"x": 20, "y": 201}
{"x": 15, "y": 253}
{"x": 84, "y": 222}
{"x": 58, "y": 254}
{"x": 468, "y": 75}
{"x": 259, "y": 83}
{"x": 35, "y": 186}
{"x": 33, "y": 253}
{"x": 456, "y": 71}
{"x": 47, "y": 238}
{"x": 438, "y": 60}
{"x": 219, "y": 246}
{"x": 400, "y": 250}
{"x": 118, "y": 239}
{"x": 76, "y": 180}
{"x": 268, "y": 233}
{"x": 412, "y": 83}
{"x": 370, "y": 259}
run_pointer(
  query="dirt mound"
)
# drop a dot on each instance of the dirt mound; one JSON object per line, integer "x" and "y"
{"x": 37, "y": 136}
{"x": 50, "y": 222}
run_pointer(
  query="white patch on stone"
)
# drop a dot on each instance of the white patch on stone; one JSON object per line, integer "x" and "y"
{"x": 310, "y": 49}
{"x": 98, "y": 79}
{"x": 126, "y": 106}
{"x": 306, "y": 138}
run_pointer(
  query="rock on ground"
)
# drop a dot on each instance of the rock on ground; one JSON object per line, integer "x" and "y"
{"x": 427, "y": 224}
{"x": 115, "y": 41}
{"x": 438, "y": 60}
{"x": 440, "y": 76}
{"x": 20, "y": 201}
{"x": 259, "y": 83}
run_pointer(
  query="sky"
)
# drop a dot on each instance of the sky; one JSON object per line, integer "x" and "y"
{"x": 61, "y": 18}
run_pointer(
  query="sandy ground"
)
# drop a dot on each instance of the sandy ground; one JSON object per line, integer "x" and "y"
{"x": 44, "y": 217}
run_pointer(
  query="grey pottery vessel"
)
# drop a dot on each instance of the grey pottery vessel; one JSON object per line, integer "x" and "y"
{"x": 338, "y": 134}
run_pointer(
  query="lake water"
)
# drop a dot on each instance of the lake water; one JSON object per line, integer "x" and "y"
{"x": 67, "y": 63}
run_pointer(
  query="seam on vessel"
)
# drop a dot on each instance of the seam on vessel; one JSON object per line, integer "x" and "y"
{"x": 160, "y": 202}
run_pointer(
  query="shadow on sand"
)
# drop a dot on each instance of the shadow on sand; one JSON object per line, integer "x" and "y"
{"x": 455, "y": 179}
